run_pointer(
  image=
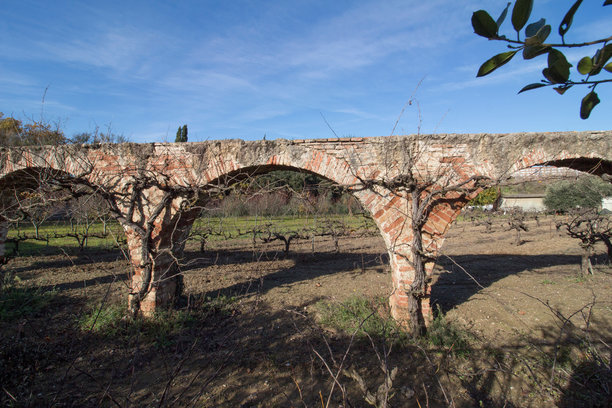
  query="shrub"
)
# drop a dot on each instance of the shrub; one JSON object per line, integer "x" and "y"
{"x": 586, "y": 192}
{"x": 488, "y": 196}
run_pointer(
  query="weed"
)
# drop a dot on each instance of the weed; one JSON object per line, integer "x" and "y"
{"x": 103, "y": 319}
{"x": 219, "y": 304}
{"x": 548, "y": 282}
{"x": 447, "y": 335}
{"x": 111, "y": 321}
{"x": 360, "y": 314}
{"x": 590, "y": 383}
{"x": 578, "y": 279}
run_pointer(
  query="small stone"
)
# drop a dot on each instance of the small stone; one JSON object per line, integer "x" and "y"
{"x": 407, "y": 391}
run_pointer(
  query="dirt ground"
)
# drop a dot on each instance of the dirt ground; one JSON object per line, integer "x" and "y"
{"x": 536, "y": 328}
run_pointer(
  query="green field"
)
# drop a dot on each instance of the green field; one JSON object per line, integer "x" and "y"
{"x": 56, "y": 235}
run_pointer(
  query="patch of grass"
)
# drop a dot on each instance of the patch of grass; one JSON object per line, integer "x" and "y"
{"x": 111, "y": 320}
{"x": 17, "y": 302}
{"x": 165, "y": 324}
{"x": 578, "y": 279}
{"x": 449, "y": 336}
{"x": 548, "y": 282}
{"x": 103, "y": 319}
{"x": 221, "y": 304}
{"x": 359, "y": 314}
{"x": 238, "y": 226}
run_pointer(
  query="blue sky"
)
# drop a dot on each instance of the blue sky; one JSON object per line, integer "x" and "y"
{"x": 242, "y": 69}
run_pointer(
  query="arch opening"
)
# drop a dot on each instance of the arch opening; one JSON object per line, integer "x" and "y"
{"x": 295, "y": 243}
{"x": 493, "y": 279}
{"x": 47, "y": 199}
{"x": 595, "y": 166}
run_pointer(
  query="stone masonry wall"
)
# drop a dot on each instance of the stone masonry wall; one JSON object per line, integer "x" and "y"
{"x": 366, "y": 166}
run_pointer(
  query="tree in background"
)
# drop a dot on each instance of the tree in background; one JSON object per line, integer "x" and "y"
{"x": 586, "y": 192}
{"x": 533, "y": 44}
{"x": 14, "y": 133}
{"x": 487, "y": 196}
{"x": 284, "y": 192}
{"x": 181, "y": 134}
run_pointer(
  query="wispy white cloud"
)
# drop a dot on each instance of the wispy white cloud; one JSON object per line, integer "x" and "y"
{"x": 119, "y": 49}
{"x": 358, "y": 113}
{"x": 357, "y": 38}
{"x": 15, "y": 80}
{"x": 237, "y": 69}
{"x": 198, "y": 80}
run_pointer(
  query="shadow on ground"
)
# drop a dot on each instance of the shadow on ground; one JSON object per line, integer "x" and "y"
{"x": 462, "y": 276}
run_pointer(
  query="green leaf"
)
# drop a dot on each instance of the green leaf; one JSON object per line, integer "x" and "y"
{"x": 521, "y": 13}
{"x": 601, "y": 58}
{"x": 566, "y": 23}
{"x": 609, "y": 66}
{"x": 532, "y": 86}
{"x": 540, "y": 36}
{"x": 588, "y": 103}
{"x": 547, "y": 74}
{"x": 585, "y": 65}
{"x": 533, "y": 28}
{"x": 493, "y": 63}
{"x": 558, "y": 67}
{"x": 503, "y": 15}
{"x": 530, "y": 52}
{"x": 483, "y": 24}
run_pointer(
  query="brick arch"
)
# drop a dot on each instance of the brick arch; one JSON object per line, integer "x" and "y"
{"x": 25, "y": 176}
{"x": 385, "y": 209}
{"x": 598, "y": 167}
{"x": 316, "y": 162}
{"x": 71, "y": 159}
{"x": 331, "y": 168}
{"x": 443, "y": 216}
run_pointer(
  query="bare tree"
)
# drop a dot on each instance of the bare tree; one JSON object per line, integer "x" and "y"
{"x": 517, "y": 222}
{"x": 85, "y": 212}
{"x": 589, "y": 227}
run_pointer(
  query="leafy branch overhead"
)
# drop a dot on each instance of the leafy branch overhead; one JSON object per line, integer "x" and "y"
{"x": 531, "y": 42}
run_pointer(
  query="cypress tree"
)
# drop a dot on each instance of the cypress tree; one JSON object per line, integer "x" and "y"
{"x": 181, "y": 134}
{"x": 184, "y": 134}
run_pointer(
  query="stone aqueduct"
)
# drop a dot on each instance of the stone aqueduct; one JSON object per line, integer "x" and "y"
{"x": 155, "y": 186}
